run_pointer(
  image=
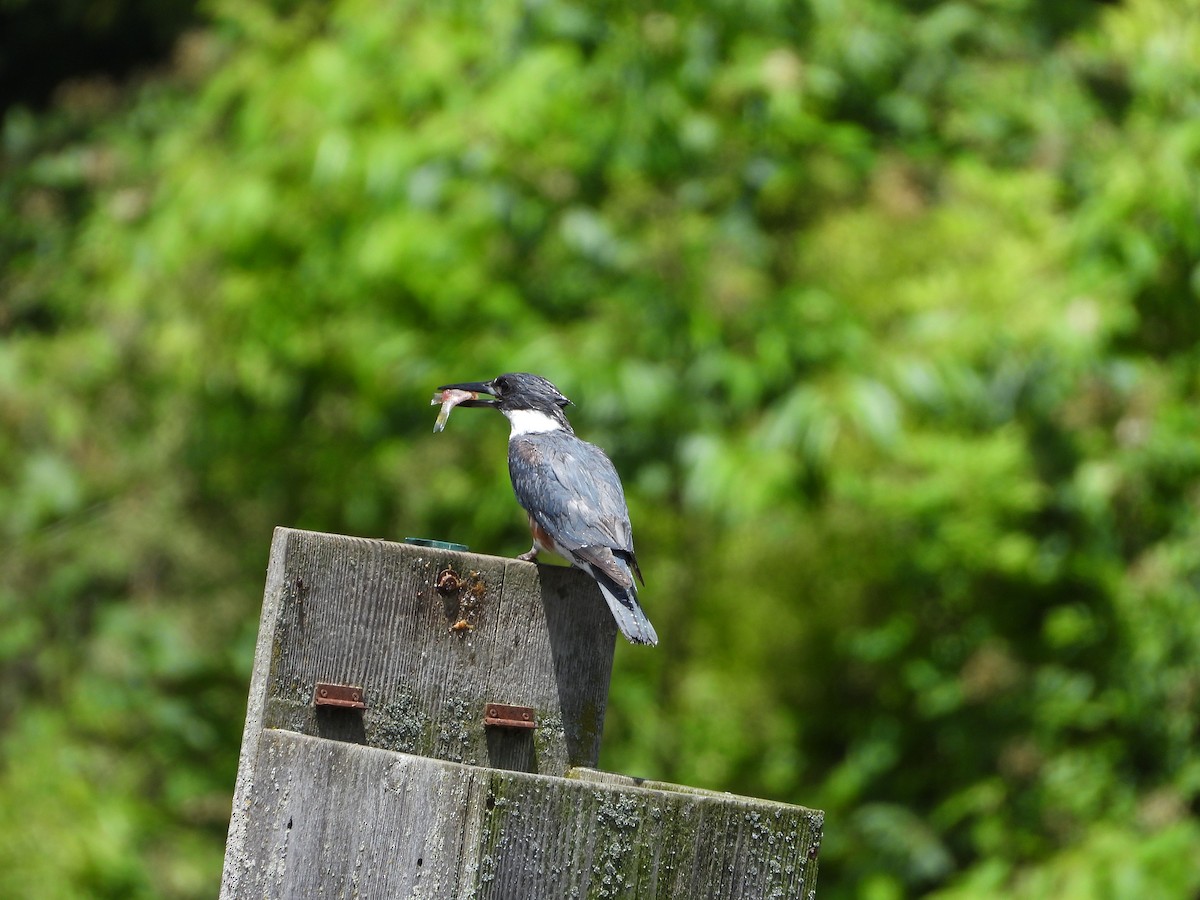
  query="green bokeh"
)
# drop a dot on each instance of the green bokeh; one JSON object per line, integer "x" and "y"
{"x": 887, "y": 312}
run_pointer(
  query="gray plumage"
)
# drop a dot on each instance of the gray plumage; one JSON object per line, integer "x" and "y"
{"x": 571, "y": 493}
{"x": 571, "y": 490}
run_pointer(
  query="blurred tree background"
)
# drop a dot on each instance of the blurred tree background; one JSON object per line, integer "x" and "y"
{"x": 887, "y": 310}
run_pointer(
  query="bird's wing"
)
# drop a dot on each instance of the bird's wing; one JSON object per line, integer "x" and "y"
{"x": 572, "y": 490}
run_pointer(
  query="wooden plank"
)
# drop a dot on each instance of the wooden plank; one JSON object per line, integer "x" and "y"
{"x": 259, "y": 676}
{"x": 332, "y": 819}
{"x": 368, "y": 612}
{"x": 614, "y": 837}
{"x": 476, "y": 813}
{"x": 342, "y": 820}
{"x": 348, "y": 610}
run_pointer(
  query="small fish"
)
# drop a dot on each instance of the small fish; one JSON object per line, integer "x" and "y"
{"x": 449, "y": 399}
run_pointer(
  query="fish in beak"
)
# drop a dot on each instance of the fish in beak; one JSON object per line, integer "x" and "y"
{"x": 464, "y": 394}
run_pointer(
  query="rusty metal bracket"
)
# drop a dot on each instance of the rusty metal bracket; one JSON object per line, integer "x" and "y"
{"x": 347, "y": 696}
{"x": 501, "y": 715}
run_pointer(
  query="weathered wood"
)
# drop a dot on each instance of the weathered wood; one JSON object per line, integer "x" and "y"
{"x": 367, "y": 612}
{"x": 341, "y": 820}
{"x": 415, "y": 797}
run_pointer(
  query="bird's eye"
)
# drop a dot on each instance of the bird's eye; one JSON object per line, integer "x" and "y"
{"x": 501, "y": 382}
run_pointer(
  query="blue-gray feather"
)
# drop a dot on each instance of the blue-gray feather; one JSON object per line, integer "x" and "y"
{"x": 572, "y": 490}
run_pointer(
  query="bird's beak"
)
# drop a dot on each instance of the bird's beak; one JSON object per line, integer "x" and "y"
{"x": 475, "y": 387}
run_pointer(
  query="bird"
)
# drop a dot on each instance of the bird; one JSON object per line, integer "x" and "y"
{"x": 569, "y": 490}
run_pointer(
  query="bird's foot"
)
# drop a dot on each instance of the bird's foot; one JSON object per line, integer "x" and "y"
{"x": 530, "y": 555}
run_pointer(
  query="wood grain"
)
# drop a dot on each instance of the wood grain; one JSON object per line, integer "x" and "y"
{"x": 367, "y": 612}
{"x": 415, "y": 797}
{"x": 342, "y": 820}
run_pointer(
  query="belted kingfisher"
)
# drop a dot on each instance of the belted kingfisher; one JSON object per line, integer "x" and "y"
{"x": 570, "y": 491}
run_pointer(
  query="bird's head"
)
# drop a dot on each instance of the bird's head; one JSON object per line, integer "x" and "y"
{"x": 530, "y": 402}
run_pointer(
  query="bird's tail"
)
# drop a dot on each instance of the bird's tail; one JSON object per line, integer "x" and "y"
{"x": 625, "y": 609}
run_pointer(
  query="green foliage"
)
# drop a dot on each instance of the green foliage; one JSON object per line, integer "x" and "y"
{"x": 887, "y": 312}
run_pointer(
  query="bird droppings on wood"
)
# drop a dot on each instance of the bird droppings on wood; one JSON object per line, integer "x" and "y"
{"x": 462, "y": 597}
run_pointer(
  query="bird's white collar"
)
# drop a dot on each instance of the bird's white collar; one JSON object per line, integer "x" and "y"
{"x": 530, "y": 421}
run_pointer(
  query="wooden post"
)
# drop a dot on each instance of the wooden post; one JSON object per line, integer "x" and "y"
{"x": 403, "y": 790}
